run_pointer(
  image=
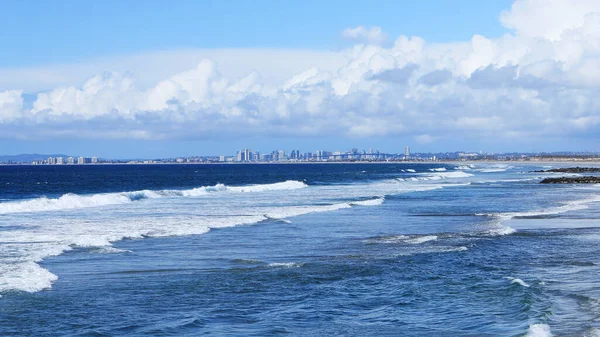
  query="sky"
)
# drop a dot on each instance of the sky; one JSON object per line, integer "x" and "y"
{"x": 133, "y": 79}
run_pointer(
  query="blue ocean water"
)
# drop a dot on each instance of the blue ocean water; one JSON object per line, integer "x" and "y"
{"x": 306, "y": 249}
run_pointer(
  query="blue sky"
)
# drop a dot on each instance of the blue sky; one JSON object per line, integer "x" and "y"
{"x": 62, "y": 31}
{"x": 127, "y": 79}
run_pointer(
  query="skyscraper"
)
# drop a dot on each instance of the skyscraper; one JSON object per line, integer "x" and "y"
{"x": 406, "y": 152}
{"x": 80, "y": 160}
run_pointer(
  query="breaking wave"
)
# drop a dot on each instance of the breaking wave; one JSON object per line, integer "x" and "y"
{"x": 574, "y": 205}
{"x": 422, "y": 239}
{"x": 517, "y": 281}
{"x": 438, "y": 175}
{"x": 539, "y": 330}
{"x": 73, "y": 201}
{"x": 26, "y": 275}
{"x": 370, "y": 202}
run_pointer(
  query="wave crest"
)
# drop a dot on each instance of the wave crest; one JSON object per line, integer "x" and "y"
{"x": 74, "y": 201}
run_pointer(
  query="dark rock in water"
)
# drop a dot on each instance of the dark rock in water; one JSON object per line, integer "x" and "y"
{"x": 572, "y": 170}
{"x": 572, "y": 180}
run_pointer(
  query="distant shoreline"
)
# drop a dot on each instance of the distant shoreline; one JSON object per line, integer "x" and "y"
{"x": 594, "y": 161}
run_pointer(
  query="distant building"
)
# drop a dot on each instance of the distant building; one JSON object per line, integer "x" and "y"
{"x": 51, "y": 161}
{"x": 80, "y": 161}
{"x": 94, "y": 160}
{"x": 59, "y": 160}
{"x": 71, "y": 160}
{"x": 406, "y": 151}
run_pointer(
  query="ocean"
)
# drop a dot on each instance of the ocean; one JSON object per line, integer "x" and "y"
{"x": 303, "y": 249}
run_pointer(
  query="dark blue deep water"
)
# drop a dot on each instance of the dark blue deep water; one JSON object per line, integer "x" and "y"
{"x": 297, "y": 249}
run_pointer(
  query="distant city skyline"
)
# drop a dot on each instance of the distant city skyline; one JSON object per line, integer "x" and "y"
{"x": 248, "y": 155}
{"x": 496, "y": 76}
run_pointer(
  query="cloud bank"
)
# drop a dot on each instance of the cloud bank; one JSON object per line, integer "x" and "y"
{"x": 540, "y": 81}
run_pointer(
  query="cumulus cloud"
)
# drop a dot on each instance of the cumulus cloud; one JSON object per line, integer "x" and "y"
{"x": 436, "y": 77}
{"x": 533, "y": 83}
{"x": 11, "y": 104}
{"x": 373, "y": 35}
{"x": 548, "y": 19}
{"x": 397, "y": 75}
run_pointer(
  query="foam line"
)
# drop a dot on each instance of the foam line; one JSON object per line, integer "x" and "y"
{"x": 74, "y": 201}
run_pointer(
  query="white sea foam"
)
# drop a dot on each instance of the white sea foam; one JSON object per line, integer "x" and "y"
{"x": 387, "y": 239}
{"x": 170, "y": 213}
{"x": 74, "y": 201}
{"x": 457, "y": 249}
{"x": 439, "y": 169}
{"x": 410, "y": 170}
{"x": 421, "y": 239}
{"x": 444, "y": 175}
{"x": 286, "y": 185}
{"x": 459, "y": 174}
{"x": 370, "y": 202}
{"x": 492, "y": 170}
{"x": 517, "y": 281}
{"x": 437, "y": 176}
{"x": 109, "y": 250}
{"x": 573, "y": 205}
{"x": 26, "y": 276}
{"x": 69, "y": 201}
{"x": 539, "y": 330}
{"x": 285, "y": 264}
{"x": 293, "y": 211}
{"x": 500, "y": 230}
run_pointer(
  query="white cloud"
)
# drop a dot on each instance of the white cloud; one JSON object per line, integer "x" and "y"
{"x": 424, "y": 139}
{"x": 538, "y": 83}
{"x": 11, "y": 105}
{"x": 373, "y": 35}
{"x": 547, "y": 19}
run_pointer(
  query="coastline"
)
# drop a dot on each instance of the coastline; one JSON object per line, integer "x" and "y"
{"x": 594, "y": 161}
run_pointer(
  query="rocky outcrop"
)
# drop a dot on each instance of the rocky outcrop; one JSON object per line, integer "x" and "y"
{"x": 572, "y": 180}
{"x": 572, "y": 170}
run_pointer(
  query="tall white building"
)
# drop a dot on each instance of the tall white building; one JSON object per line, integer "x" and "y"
{"x": 94, "y": 160}
{"x": 71, "y": 160}
{"x": 80, "y": 160}
{"x": 59, "y": 160}
{"x": 406, "y": 151}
